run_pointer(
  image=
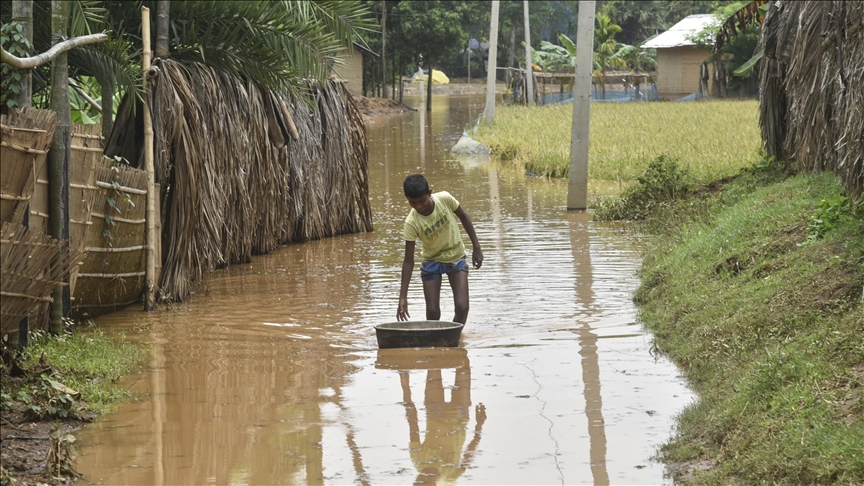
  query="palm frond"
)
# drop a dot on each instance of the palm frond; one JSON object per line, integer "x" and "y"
{"x": 116, "y": 61}
{"x": 86, "y": 17}
{"x": 274, "y": 43}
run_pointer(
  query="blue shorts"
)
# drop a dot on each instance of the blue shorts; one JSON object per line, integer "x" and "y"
{"x": 430, "y": 270}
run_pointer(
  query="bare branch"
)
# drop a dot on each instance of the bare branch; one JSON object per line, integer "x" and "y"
{"x": 84, "y": 95}
{"x": 60, "y": 47}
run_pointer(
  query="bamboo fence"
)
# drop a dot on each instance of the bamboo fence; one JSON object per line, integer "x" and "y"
{"x": 85, "y": 159}
{"x": 246, "y": 170}
{"x": 26, "y": 136}
{"x": 812, "y": 87}
{"x": 31, "y": 265}
{"x": 112, "y": 274}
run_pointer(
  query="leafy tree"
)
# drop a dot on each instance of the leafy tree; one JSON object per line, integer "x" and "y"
{"x": 429, "y": 31}
{"x": 641, "y": 19}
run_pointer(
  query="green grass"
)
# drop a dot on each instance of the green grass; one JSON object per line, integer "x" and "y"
{"x": 711, "y": 139}
{"x": 90, "y": 361}
{"x": 759, "y": 300}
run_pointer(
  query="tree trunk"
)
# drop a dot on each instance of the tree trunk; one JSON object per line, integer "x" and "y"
{"x": 429, "y": 90}
{"x": 384, "y": 45}
{"x": 401, "y": 87}
{"x": 58, "y": 157}
{"x": 163, "y": 25}
{"x": 508, "y": 75}
{"x": 107, "y": 107}
{"x": 22, "y": 11}
{"x": 529, "y": 74}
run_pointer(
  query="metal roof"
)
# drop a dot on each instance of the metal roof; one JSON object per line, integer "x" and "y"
{"x": 678, "y": 35}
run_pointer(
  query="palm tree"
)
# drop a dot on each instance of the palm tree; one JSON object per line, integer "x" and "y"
{"x": 605, "y": 48}
{"x": 276, "y": 44}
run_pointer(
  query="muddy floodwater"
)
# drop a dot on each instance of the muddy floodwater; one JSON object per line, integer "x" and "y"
{"x": 271, "y": 374}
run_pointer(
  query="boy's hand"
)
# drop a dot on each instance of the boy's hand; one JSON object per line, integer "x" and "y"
{"x": 477, "y": 257}
{"x": 402, "y": 312}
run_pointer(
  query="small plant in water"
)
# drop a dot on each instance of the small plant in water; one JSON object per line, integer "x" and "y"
{"x": 663, "y": 182}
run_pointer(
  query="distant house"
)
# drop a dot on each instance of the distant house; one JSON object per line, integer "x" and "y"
{"x": 680, "y": 68}
{"x": 352, "y": 69}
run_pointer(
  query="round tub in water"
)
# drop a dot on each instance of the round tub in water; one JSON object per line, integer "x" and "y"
{"x": 419, "y": 334}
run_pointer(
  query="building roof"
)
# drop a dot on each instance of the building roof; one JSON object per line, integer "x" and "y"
{"x": 679, "y": 34}
{"x": 366, "y": 50}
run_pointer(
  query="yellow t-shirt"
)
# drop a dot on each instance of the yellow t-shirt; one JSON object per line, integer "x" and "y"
{"x": 439, "y": 232}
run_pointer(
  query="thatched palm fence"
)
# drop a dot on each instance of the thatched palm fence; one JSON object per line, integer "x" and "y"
{"x": 244, "y": 170}
{"x": 31, "y": 265}
{"x": 812, "y": 87}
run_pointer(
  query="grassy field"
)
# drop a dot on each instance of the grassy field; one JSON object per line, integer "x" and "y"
{"x": 712, "y": 139}
{"x": 758, "y": 297}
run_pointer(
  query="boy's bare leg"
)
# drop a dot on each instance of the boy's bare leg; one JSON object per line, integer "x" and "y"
{"x": 432, "y": 293}
{"x": 459, "y": 285}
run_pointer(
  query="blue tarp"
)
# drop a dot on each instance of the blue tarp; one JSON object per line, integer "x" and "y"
{"x": 694, "y": 97}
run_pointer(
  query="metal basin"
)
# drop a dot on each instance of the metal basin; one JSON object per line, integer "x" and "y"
{"x": 419, "y": 334}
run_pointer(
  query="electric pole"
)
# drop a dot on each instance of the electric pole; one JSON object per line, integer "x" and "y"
{"x": 577, "y": 189}
{"x": 492, "y": 65}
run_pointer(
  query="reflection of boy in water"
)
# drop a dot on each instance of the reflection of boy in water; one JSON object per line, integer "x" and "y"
{"x": 439, "y": 458}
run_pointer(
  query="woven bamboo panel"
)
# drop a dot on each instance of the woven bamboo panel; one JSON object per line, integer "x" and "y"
{"x": 31, "y": 265}
{"x": 26, "y": 136}
{"x": 86, "y": 158}
{"x": 112, "y": 275}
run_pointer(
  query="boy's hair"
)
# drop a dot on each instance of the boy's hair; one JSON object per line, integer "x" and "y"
{"x": 415, "y": 185}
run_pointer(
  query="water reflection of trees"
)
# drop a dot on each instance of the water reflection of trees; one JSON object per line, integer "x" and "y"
{"x": 440, "y": 455}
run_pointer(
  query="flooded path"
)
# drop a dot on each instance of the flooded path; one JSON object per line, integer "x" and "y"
{"x": 270, "y": 374}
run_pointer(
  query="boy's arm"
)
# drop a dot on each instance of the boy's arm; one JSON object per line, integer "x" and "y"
{"x": 477, "y": 254}
{"x": 407, "y": 268}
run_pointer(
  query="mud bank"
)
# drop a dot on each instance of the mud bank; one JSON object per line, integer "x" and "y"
{"x": 757, "y": 295}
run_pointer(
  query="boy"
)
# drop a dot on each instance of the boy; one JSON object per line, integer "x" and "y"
{"x": 432, "y": 220}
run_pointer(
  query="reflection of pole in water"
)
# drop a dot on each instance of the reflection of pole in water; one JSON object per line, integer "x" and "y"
{"x": 580, "y": 246}
{"x": 422, "y": 137}
{"x": 314, "y": 454}
{"x": 495, "y": 203}
{"x": 387, "y": 170}
{"x": 593, "y": 405}
{"x": 157, "y": 400}
{"x": 356, "y": 458}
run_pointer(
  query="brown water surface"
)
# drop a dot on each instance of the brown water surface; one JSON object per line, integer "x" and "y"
{"x": 270, "y": 374}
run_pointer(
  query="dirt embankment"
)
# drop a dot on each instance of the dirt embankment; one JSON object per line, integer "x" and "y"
{"x": 36, "y": 451}
{"x": 373, "y": 107}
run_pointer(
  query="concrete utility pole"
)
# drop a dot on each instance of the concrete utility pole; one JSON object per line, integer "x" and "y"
{"x": 529, "y": 86}
{"x": 492, "y": 65}
{"x": 577, "y": 189}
